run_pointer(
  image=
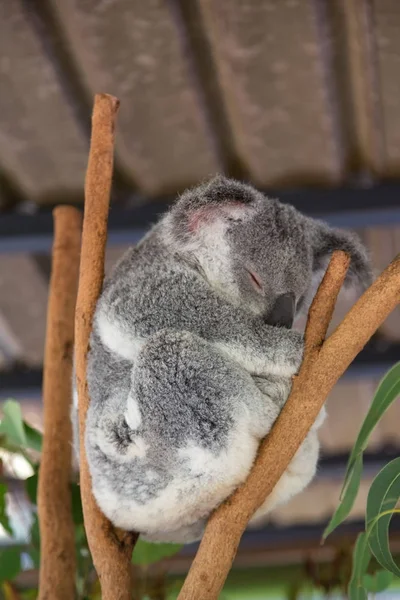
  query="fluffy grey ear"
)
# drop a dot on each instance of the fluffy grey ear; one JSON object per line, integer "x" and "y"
{"x": 325, "y": 240}
{"x": 218, "y": 191}
{"x": 217, "y": 202}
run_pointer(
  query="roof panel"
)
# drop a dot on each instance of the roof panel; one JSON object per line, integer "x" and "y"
{"x": 387, "y": 25}
{"x": 270, "y": 64}
{"x": 41, "y": 145}
{"x": 136, "y": 51}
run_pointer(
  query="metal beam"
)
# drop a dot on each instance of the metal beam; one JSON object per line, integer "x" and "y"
{"x": 342, "y": 207}
{"x": 21, "y": 383}
{"x": 273, "y": 537}
{"x": 373, "y": 362}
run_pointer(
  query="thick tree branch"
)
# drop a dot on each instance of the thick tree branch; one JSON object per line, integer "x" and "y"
{"x": 58, "y": 561}
{"x": 323, "y": 364}
{"x": 363, "y": 319}
{"x": 111, "y": 550}
{"x": 323, "y": 305}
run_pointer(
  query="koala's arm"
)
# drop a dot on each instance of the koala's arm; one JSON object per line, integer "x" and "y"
{"x": 164, "y": 299}
{"x": 260, "y": 348}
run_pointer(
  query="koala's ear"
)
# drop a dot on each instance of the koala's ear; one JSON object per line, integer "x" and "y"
{"x": 325, "y": 240}
{"x": 216, "y": 202}
{"x": 210, "y": 215}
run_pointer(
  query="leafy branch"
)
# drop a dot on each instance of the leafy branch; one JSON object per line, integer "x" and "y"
{"x": 383, "y": 496}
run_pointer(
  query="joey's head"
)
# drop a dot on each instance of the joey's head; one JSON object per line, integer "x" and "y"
{"x": 261, "y": 254}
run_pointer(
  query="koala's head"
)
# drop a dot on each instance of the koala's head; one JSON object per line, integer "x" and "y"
{"x": 263, "y": 255}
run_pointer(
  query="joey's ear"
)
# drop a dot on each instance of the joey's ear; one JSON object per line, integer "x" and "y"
{"x": 326, "y": 240}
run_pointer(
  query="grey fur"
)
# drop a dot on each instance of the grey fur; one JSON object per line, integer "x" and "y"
{"x": 187, "y": 350}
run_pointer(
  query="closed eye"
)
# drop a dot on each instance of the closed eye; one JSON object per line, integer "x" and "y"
{"x": 256, "y": 281}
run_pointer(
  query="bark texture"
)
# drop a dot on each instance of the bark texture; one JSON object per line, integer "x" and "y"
{"x": 111, "y": 550}
{"x": 58, "y": 561}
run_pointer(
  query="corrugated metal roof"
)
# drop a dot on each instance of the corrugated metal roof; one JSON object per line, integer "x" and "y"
{"x": 288, "y": 92}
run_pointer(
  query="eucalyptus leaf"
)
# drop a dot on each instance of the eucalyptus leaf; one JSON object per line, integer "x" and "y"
{"x": 4, "y": 521}
{"x": 34, "y": 534}
{"x": 34, "y": 439}
{"x": 31, "y": 485}
{"x": 12, "y": 425}
{"x": 378, "y": 582}
{"x": 10, "y": 563}
{"x": 146, "y": 553}
{"x": 348, "y": 497}
{"x": 382, "y": 499}
{"x": 35, "y": 557}
{"x": 80, "y": 536}
{"x": 387, "y": 392}
{"x": 5, "y": 443}
{"x": 77, "y": 511}
{"x": 361, "y": 560}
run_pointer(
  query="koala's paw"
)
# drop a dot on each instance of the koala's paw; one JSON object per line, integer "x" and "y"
{"x": 292, "y": 350}
{"x": 276, "y": 387}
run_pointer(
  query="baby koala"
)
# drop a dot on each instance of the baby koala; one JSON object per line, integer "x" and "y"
{"x": 192, "y": 355}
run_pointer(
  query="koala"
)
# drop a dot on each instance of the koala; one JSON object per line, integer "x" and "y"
{"x": 192, "y": 356}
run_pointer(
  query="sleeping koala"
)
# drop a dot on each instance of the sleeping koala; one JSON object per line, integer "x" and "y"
{"x": 192, "y": 356}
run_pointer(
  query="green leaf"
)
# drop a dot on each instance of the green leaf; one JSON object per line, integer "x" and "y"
{"x": 31, "y": 485}
{"x": 146, "y": 553}
{"x": 5, "y": 443}
{"x": 35, "y": 556}
{"x": 77, "y": 511}
{"x": 12, "y": 424}
{"x": 3, "y": 514}
{"x": 15, "y": 434}
{"x": 348, "y": 497}
{"x": 29, "y": 595}
{"x": 35, "y": 533}
{"x": 378, "y": 582}
{"x": 382, "y": 498}
{"x": 387, "y": 392}
{"x": 10, "y": 563}
{"x": 34, "y": 439}
{"x": 80, "y": 536}
{"x": 361, "y": 560}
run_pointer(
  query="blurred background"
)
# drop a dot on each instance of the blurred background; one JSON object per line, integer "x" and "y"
{"x": 300, "y": 97}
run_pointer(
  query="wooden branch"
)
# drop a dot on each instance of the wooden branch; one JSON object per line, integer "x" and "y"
{"x": 58, "y": 561}
{"x": 323, "y": 365}
{"x": 111, "y": 550}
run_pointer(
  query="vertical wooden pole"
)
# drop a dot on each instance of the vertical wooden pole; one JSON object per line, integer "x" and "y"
{"x": 111, "y": 550}
{"x": 58, "y": 562}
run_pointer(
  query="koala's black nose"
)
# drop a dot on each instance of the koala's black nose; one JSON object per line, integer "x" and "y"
{"x": 282, "y": 313}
